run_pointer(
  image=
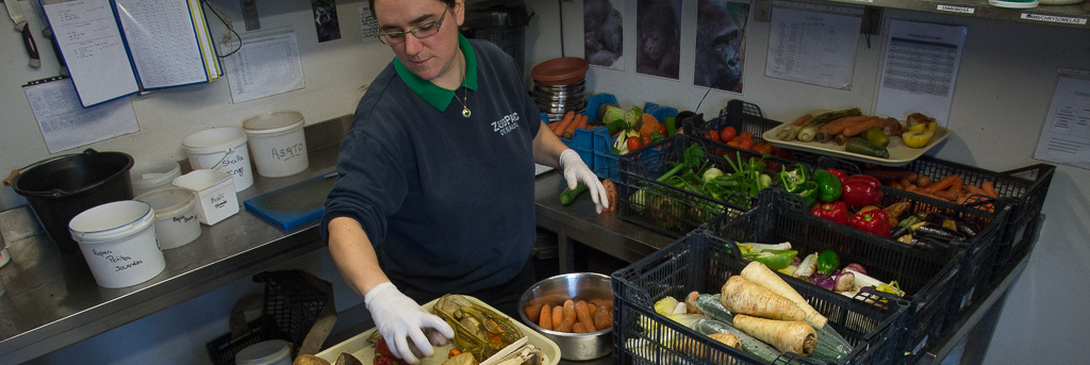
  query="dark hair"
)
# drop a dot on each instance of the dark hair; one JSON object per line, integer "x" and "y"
{"x": 371, "y": 3}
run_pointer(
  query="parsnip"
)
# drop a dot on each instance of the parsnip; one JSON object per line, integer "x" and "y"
{"x": 763, "y": 276}
{"x": 739, "y": 295}
{"x": 787, "y": 336}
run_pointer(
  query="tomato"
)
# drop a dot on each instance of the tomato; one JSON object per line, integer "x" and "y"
{"x": 713, "y": 135}
{"x": 645, "y": 139}
{"x": 763, "y": 147}
{"x": 734, "y": 142}
{"x": 634, "y": 143}
{"x": 727, "y": 135}
{"x": 746, "y": 143}
{"x": 662, "y": 129}
{"x": 746, "y": 134}
{"x": 383, "y": 360}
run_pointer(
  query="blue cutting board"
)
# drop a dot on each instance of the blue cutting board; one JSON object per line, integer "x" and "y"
{"x": 293, "y": 205}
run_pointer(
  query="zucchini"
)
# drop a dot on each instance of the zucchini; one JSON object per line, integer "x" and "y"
{"x": 616, "y": 126}
{"x": 831, "y": 347}
{"x": 864, "y": 147}
{"x": 750, "y": 344}
{"x": 569, "y": 195}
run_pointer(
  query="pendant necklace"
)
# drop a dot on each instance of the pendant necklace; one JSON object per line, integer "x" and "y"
{"x": 465, "y": 98}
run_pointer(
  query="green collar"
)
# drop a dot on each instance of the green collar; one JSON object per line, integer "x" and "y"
{"x": 434, "y": 95}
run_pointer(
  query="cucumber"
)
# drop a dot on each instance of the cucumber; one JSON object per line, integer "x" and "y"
{"x": 712, "y": 307}
{"x": 831, "y": 347}
{"x": 616, "y": 126}
{"x": 750, "y": 344}
{"x": 876, "y": 136}
{"x": 864, "y": 147}
{"x": 569, "y": 195}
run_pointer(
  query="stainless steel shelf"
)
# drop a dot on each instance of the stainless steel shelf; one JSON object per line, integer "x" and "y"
{"x": 1067, "y": 16}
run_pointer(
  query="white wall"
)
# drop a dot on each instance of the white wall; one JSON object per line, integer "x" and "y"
{"x": 1000, "y": 101}
{"x": 1003, "y": 91}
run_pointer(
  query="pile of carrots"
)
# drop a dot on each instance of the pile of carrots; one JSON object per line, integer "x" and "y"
{"x": 573, "y": 316}
{"x": 566, "y": 127}
{"x": 950, "y": 187}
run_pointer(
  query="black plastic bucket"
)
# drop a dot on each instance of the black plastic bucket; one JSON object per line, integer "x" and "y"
{"x": 59, "y": 188}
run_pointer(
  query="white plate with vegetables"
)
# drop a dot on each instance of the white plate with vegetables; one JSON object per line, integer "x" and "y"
{"x": 899, "y": 153}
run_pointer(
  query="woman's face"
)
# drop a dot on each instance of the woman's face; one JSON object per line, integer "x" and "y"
{"x": 432, "y": 57}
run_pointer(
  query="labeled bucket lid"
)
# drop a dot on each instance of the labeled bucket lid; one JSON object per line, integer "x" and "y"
{"x": 214, "y": 140}
{"x": 111, "y": 221}
{"x": 264, "y": 353}
{"x": 149, "y": 174}
{"x": 274, "y": 122}
{"x": 201, "y": 179}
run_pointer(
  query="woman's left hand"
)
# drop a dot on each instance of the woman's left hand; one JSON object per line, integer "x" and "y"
{"x": 576, "y": 171}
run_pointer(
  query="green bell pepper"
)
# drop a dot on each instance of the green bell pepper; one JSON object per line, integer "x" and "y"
{"x": 808, "y": 191}
{"x": 828, "y": 262}
{"x": 828, "y": 185}
{"x": 792, "y": 179}
{"x": 774, "y": 259}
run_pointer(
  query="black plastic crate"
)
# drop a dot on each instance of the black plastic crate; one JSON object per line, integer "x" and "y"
{"x": 668, "y": 209}
{"x": 1022, "y": 191}
{"x": 702, "y": 262}
{"x": 290, "y": 307}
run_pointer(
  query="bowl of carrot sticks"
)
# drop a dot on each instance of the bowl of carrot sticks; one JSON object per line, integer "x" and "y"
{"x": 574, "y": 310}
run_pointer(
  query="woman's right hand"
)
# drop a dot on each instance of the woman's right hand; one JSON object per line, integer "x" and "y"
{"x": 399, "y": 318}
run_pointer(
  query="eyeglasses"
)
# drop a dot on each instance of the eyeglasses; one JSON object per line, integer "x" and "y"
{"x": 420, "y": 32}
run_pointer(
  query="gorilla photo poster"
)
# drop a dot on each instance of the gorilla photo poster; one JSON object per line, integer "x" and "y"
{"x": 603, "y": 33}
{"x": 658, "y": 37}
{"x": 720, "y": 44}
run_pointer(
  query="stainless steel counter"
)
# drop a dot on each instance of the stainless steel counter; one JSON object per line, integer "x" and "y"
{"x": 52, "y": 301}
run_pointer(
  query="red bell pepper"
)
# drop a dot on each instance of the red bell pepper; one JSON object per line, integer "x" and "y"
{"x": 839, "y": 173}
{"x": 861, "y": 190}
{"x": 874, "y": 221}
{"x": 835, "y": 211}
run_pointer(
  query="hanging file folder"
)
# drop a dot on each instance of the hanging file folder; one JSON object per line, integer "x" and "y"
{"x": 116, "y": 48}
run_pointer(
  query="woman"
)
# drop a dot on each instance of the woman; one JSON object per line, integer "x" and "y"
{"x": 437, "y": 176}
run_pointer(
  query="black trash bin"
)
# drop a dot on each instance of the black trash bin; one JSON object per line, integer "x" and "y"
{"x": 501, "y": 22}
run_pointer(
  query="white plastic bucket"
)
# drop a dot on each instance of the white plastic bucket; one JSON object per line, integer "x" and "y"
{"x": 118, "y": 241}
{"x": 271, "y": 352}
{"x": 277, "y": 143}
{"x": 153, "y": 175}
{"x": 222, "y": 149}
{"x": 216, "y": 198}
{"x": 176, "y": 221}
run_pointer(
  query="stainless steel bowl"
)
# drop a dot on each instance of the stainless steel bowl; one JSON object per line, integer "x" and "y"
{"x": 576, "y": 286}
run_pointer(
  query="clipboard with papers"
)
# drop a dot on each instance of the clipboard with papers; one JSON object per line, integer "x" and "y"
{"x": 115, "y": 48}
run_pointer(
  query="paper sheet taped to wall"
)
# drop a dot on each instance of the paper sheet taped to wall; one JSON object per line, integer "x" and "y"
{"x": 1065, "y": 137}
{"x": 66, "y": 124}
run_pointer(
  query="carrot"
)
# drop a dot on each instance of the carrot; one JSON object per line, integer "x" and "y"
{"x": 612, "y": 196}
{"x": 562, "y": 125}
{"x": 558, "y": 316}
{"x": 786, "y": 336}
{"x": 764, "y": 276}
{"x": 582, "y": 315}
{"x": 989, "y": 189}
{"x": 570, "y": 129}
{"x": 579, "y": 328}
{"x": 974, "y": 190}
{"x": 923, "y": 182}
{"x": 546, "y": 316}
{"x": 829, "y": 130}
{"x": 802, "y": 119}
{"x": 740, "y": 295}
{"x": 590, "y": 308}
{"x": 948, "y": 194}
{"x": 533, "y": 311}
{"x": 569, "y": 313}
{"x": 943, "y": 184}
{"x": 729, "y": 339}
{"x": 857, "y": 128}
{"x": 603, "y": 317}
{"x": 891, "y": 174}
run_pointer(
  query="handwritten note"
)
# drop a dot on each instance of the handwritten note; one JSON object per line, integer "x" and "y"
{"x": 91, "y": 43}
{"x": 65, "y": 124}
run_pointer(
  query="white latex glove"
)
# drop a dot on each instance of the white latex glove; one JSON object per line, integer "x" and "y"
{"x": 398, "y": 318}
{"x": 575, "y": 172}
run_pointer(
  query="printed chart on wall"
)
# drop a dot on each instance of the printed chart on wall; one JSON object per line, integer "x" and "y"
{"x": 1065, "y": 137}
{"x": 813, "y": 44}
{"x": 265, "y": 65}
{"x": 920, "y": 69}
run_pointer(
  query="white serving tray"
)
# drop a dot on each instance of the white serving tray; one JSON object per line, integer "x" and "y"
{"x": 364, "y": 350}
{"x": 899, "y": 153}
